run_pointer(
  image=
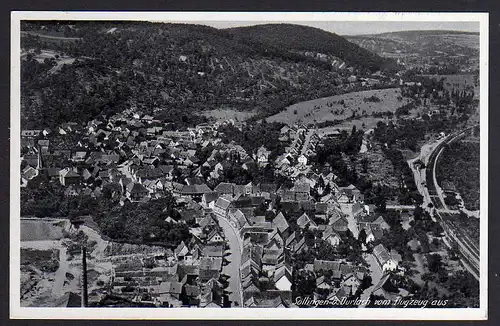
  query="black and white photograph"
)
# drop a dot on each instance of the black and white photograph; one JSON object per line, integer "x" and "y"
{"x": 178, "y": 160}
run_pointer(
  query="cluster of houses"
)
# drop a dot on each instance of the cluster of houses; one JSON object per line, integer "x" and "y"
{"x": 336, "y": 280}
{"x": 188, "y": 276}
{"x": 272, "y": 224}
{"x": 133, "y": 157}
{"x": 294, "y": 161}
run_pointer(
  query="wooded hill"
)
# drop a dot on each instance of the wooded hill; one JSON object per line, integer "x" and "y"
{"x": 304, "y": 38}
{"x": 175, "y": 70}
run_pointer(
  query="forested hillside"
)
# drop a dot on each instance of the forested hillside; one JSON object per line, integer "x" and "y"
{"x": 304, "y": 38}
{"x": 169, "y": 70}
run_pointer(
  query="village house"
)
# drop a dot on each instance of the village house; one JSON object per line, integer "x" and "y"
{"x": 373, "y": 233}
{"x": 29, "y": 172}
{"x": 353, "y": 281}
{"x": 279, "y": 222}
{"x": 208, "y": 199}
{"x": 68, "y": 177}
{"x": 374, "y": 227}
{"x": 194, "y": 191}
{"x": 384, "y": 258}
{"x": 222, "y": 206}
{"x": 225, "y": 189}
{"x": 136, "y": 191}
{"x": 283, "y": 278}
{"x": 331, "y": 236}
{"x": 387, "y": 289}
{"x": 338, "y": 222}
{"x": 239, "y": 218}
{"x": 302, "y": 159}
{"x": 304, "y": 221}
{"x": 215, "y": 236}
{"x": 262, "y": 155}
{"x": 79, "y": 155}
{"x": 349, "y": 194}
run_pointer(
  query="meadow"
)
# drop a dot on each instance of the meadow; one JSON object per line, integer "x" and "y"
{"x": 341, "y": 107}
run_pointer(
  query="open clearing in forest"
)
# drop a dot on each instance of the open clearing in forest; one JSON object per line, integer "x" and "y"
{"x": 340, "y": 107}
{"x": 226, "y": 114}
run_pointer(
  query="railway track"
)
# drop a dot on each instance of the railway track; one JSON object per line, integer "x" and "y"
{"x": 468, "y": 248}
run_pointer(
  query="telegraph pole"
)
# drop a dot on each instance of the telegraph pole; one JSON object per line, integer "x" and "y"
{"x": 85, "y": 300}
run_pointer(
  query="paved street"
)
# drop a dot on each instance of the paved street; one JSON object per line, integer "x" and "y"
{"x": 375, "y": 273}
{"x": 233, "y": 268}
{"x": 403, "y": 207}
{"x": 353, "y": 227}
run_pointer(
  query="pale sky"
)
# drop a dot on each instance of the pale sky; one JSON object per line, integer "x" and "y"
{"x": 357, "y": 27}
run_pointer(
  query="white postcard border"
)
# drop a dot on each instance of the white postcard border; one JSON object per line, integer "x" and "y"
{"x": 18, "y": 312}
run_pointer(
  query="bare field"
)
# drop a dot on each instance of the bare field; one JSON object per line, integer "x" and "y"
{"x": 37, "y": 230}
{"x": 340, "y": 107}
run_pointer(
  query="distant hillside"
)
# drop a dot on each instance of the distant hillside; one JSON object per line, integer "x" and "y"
{"x": 416, "y": 33}
{"x": 74, "y": 71}
{"x": 419, "y": 43}
{"x": 304, "y": 38}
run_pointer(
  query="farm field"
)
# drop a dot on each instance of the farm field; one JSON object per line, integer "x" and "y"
{"x": 341, "y": 107}
{"x": 226, "y": 114}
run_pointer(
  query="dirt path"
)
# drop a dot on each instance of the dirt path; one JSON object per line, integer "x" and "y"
{"x": 60, "y": 64}
{"x": 60, "y": 276}
{"x": 51, "y": 36}
{"x": 98, "y": 251}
